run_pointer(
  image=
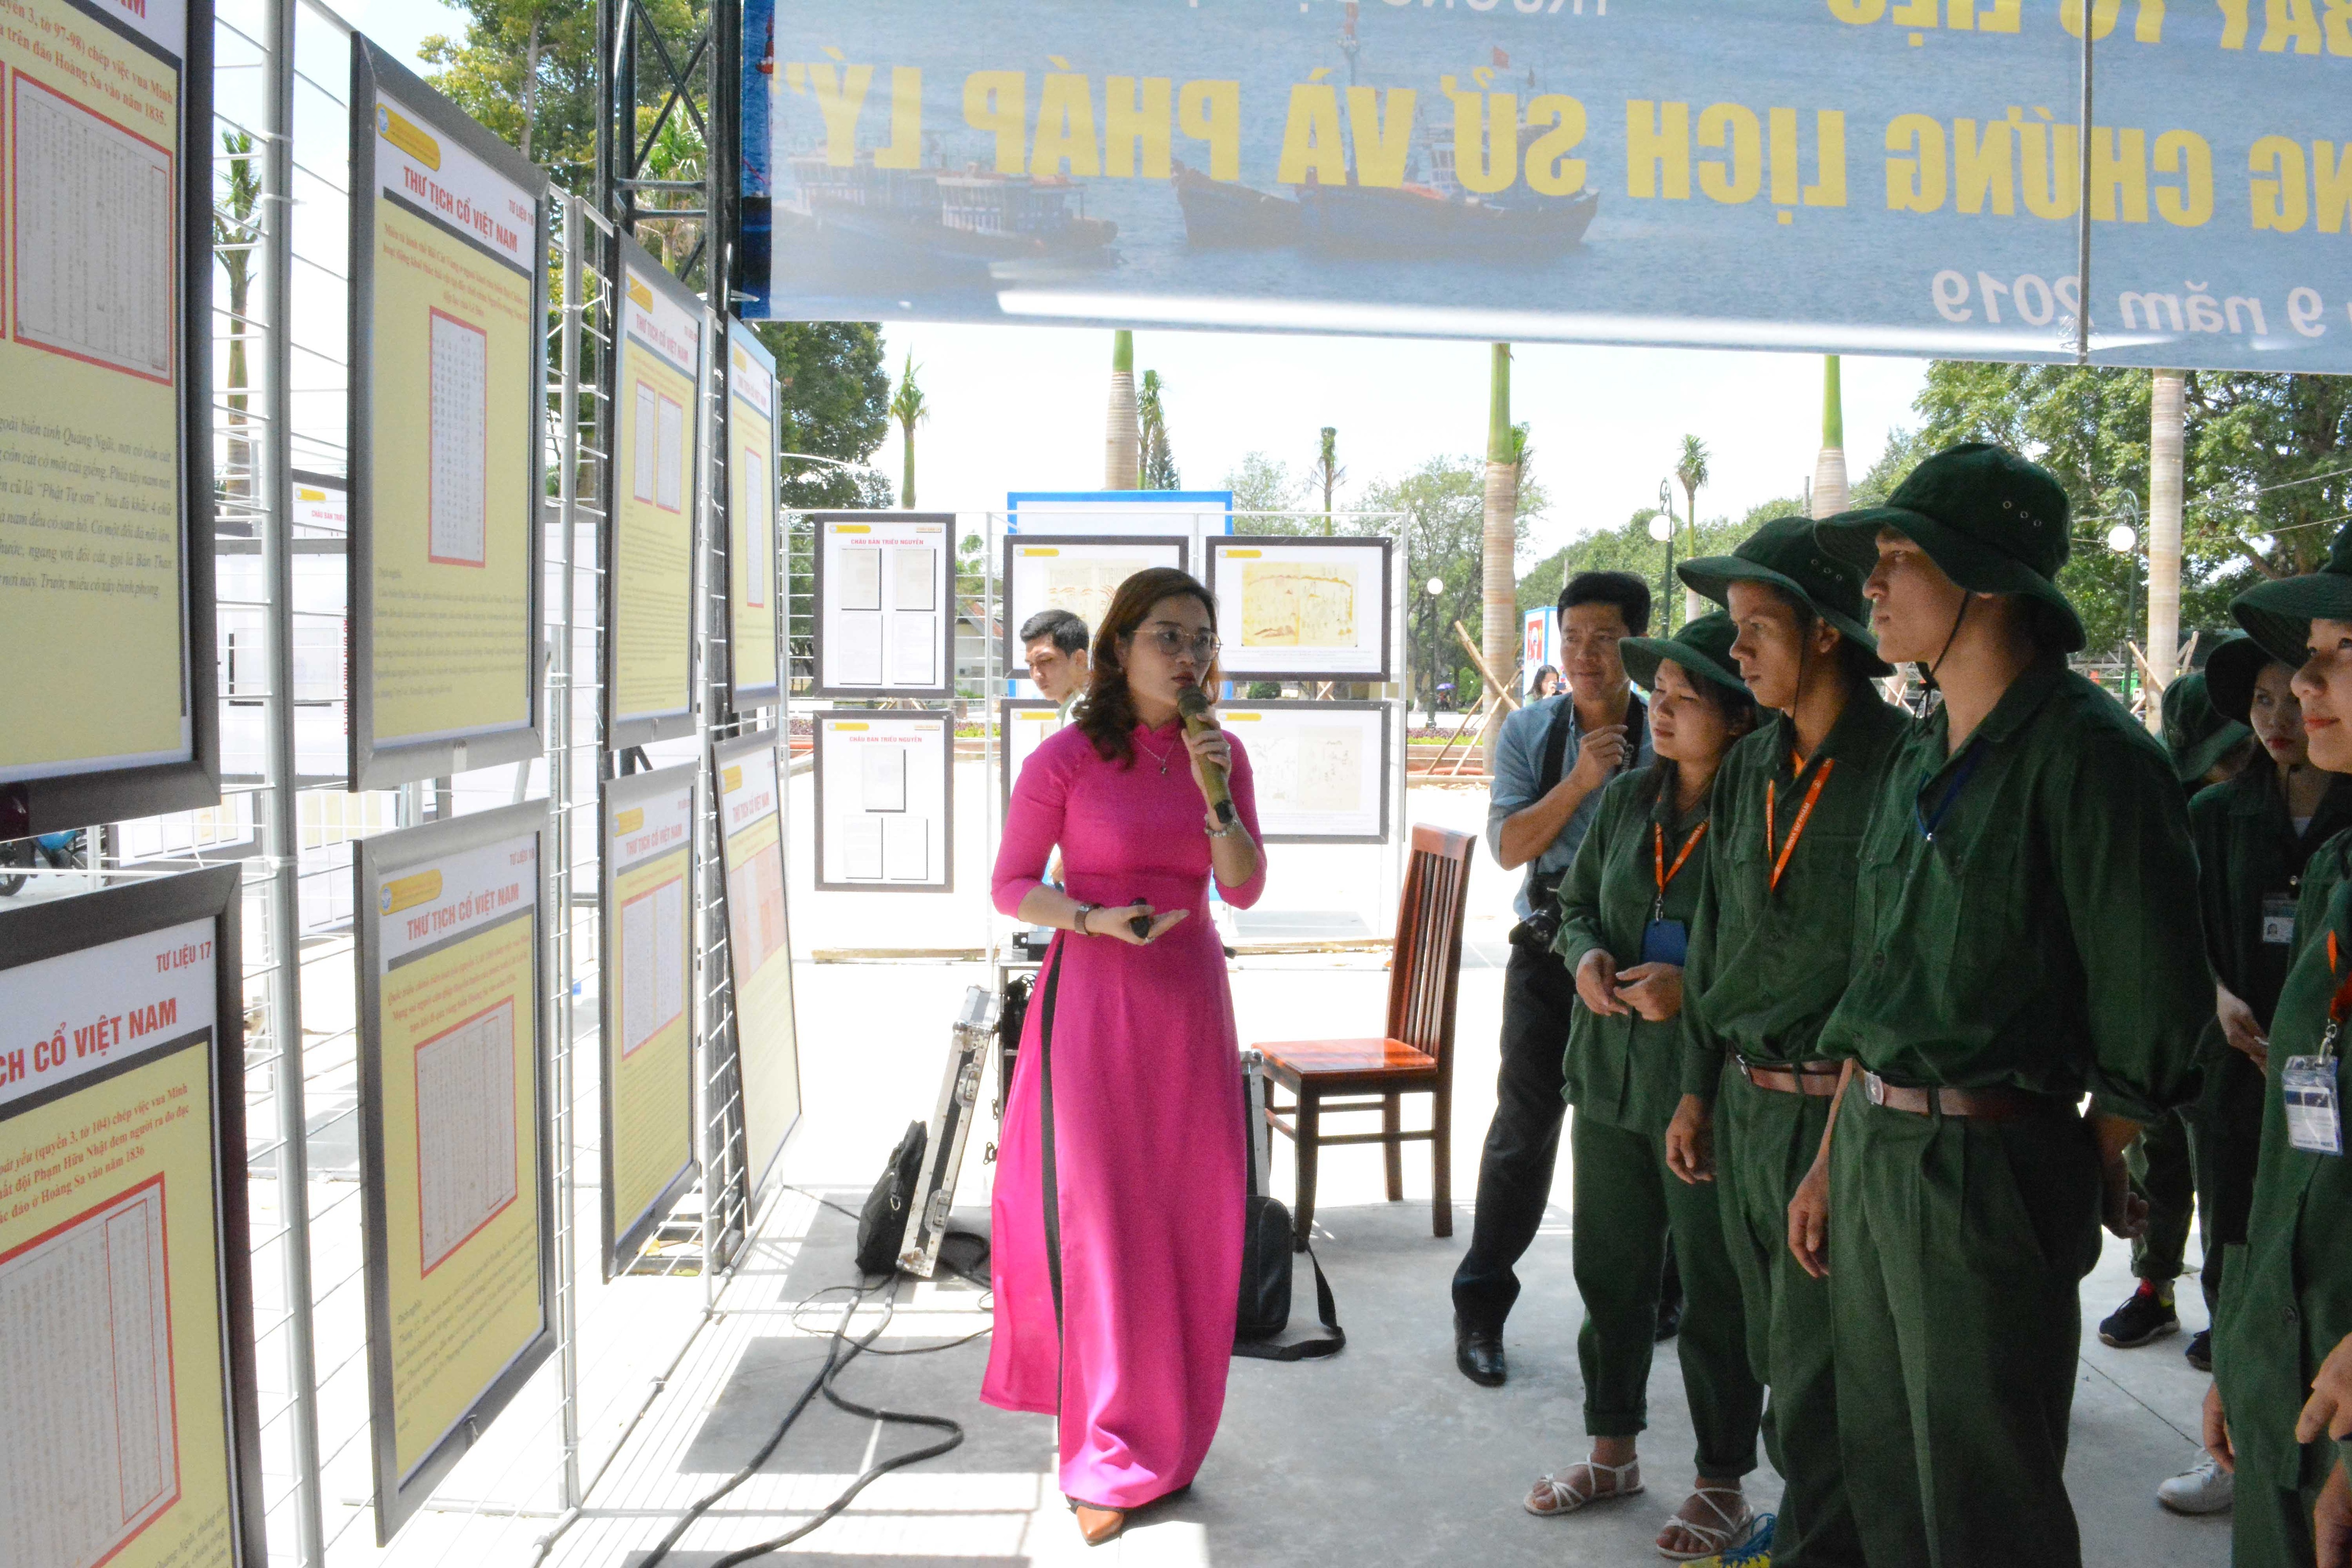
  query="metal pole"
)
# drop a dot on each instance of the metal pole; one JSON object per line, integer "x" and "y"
{"x": 2082, "y": 200}
{"x": 559, "y": 789}
{"x": 274, "y": 486}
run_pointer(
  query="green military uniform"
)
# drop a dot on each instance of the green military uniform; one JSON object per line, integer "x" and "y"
{"x": 2163, "y": 1159}
{"x": 2024, "y": 927}
{"x": 2287, "y": 1297}
{"x": 1624, "y": 1077}
{"x": 1767, "y": 963}
{"x": 2251, "y": 861}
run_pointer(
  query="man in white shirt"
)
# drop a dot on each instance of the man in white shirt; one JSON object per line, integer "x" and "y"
{"x": 1054, "y": 642}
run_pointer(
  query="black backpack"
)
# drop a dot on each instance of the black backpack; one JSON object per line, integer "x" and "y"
{"x": 882, "y": 1224}
{"x": 1265, "y": 1257}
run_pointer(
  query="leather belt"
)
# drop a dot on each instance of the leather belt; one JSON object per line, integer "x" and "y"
{"x": 1982, "y": 1104}
{"x": 1817, "y": 1080}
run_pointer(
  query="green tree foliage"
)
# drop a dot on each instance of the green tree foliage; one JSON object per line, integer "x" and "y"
{"x": 2266, "y": 483}
{"x": 1263, "y": 483}
{"x": 1629, "y": 548}
{"x": 1152, "y": 416}
{"x": 1445, "y": 507}
{"x": 907, "y": 408}
{"x": 526, "y": 68}
{"x": 834, "y": 402}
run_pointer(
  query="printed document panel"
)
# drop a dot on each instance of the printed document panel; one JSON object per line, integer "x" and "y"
{"x": 115, "y": 1402}
{"x": 759, "y": 945}
{"x": 750, "y": 513}
{"x": 90, "y": 380}
{"x": 885, "y": 604}
{"x": 648, "y": 1099}
{"x": 883, "y": 802}
{"x": 651, "y": 589}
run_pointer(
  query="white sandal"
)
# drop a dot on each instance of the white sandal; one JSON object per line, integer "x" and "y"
{"x": 1554, "y": 1497}
{"x": 1720, "y": 1537}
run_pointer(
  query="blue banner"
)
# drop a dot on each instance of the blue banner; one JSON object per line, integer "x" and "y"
{"x": 1870, "y": 176}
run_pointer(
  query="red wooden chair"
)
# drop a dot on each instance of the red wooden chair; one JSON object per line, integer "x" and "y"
{"x": 1415, "y": 1056}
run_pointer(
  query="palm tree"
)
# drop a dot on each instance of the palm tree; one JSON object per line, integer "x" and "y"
{"x": 1507, "y": 448}
{"x": 237, "y": 236}
{"x": 1122, "y": 439}
{"x": 677, "y": 153}
{"x": 908, "y": 408}
{"x": 1831, "y": 491}
{"x": 1326, "y": 471}
{"x": 1691, "y": 470}
{"x": 1151, "y": 419}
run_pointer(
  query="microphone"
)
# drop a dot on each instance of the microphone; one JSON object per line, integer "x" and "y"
{"x": 1193, "y": 704}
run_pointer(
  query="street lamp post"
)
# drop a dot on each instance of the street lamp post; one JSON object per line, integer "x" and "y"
{"x": 2123, "y": 539}
{"x": 1662, "y": 529}
{"x": 1435, "y": 589}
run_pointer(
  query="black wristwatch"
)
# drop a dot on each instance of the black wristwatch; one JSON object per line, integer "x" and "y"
{"x": 1078, "y": 920}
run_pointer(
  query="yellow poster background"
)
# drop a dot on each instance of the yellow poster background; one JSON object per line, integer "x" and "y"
{"x": 89, "y": 452}
{"x": 90, "y": 1147}
{"x": 763, "y": 1002}
{"x": 752, "y": 547}
{"x": 652, "y": 551}
{"x": 452, "y": 642}
{"x": 652, "y": 1086}
{"x": 455, "y": 1329}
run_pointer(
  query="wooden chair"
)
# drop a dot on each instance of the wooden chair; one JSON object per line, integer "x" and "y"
{"x": 1415, "y": 1056}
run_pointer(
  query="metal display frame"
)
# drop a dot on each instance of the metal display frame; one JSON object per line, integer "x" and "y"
{"x": 624, "y": 1239}
{"x": 1006, "y": 777}
{"x": 78, "y": 799}
{"x": 1385, "y": 710}
{"x": 625, "y": 258}
{"x": 376, "y": 860}
{"x": 946, "y": 725}
{"x": 757, "y": 1166}
{"x": 380, "y": 766}
{"x": 739, "y": 696}
{"x": 1218, "y": 548}
{"x": 941, "y": 691}
{"x": 59, "y": 928}
{"x": 1011, "y": 610}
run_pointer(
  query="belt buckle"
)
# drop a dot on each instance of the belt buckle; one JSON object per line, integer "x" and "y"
{"x": 1875, "y": 1087}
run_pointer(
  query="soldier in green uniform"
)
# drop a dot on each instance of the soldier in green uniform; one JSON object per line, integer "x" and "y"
{"x": 2254, "y": 834}
{"x": 2286, "y": 1293}
{"x": 1626, "y": 910}
{"x": 2025, "y": 929}
{"x": 1770, "y": 957}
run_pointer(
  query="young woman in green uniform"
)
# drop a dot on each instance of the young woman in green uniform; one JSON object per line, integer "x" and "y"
{"x": 1626, "y": 910}
{"x": 2283, "y": 1345}
{"x": 1770, "y": 952}
{"x": 2025, "y": 929}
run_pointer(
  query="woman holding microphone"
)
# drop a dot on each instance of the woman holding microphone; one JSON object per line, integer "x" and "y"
{"x": 1119, "y": 1198}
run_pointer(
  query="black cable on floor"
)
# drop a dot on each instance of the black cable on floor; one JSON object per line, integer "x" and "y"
{"x": 836, "y": 1361}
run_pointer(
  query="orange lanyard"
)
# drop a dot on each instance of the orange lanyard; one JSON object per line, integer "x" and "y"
{"x": 1797, "y": 829}
{"x": 1666, "y": 874}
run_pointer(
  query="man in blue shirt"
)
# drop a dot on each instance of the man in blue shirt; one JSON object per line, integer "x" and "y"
{"x": 1550, "y": 762}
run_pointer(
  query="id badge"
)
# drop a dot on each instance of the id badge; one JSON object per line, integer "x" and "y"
{"x": 2278, "y": 919}
{"x": 1666, "y": 942}
{"x": 2311, "y": 1122}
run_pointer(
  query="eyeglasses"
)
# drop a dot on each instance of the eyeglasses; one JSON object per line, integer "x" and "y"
{"x": 1172, "y": 641}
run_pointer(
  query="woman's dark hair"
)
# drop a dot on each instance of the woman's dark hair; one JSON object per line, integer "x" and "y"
{"x": 1543, "y": 672}
{"x": 1108, "y": 712}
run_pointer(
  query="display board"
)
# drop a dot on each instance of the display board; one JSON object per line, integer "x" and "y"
{"x": 653, "y": 500}
{"x": 448, "y": 411}
{"x": 1079, "y": 572}
{"x": 1193, "y": 514}
{"x": 105, "y": 348}
{"x": 1666, "y": 172}
{"x": 884, "y": 793}
{"x": 884, "y": 604}
{"x": 752, "y": 513}
{"x": 1302, "y": 609}
{"x": 759, "y": 945}
{"x": 1022, "y": 724}
{"x": 1538, "y": 646}
{"x": 647, "y": 1018}
{"x": 1321, "y": 769}
{"x": 460, "y": 1246}
{"x": 127, "y": 1374}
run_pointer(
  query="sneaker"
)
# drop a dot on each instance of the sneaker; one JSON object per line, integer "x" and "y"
{"x": 2208, "y": 1489}
{"x": 2146, "y": 1315}
{"x": 2199, "y": 1353}
{"x": 1756, "y": 1551}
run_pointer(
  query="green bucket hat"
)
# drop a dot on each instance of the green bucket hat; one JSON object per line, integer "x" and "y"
{"x": 2229, "y": 672}
{"x": 1992, "y": 521}
{"x": 2279, "y": 614}
{"x": 2194, "y": 733}
{"x": 1784, "y": 554}
{"x": 1703, "y": 648}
